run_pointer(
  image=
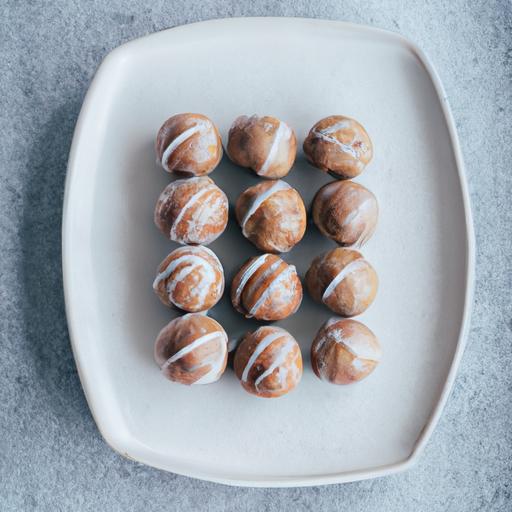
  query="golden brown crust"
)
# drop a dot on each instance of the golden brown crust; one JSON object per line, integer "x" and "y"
{"x": 343, "y": 280}
{"x": 192, "y": 349}
{"x": 344, "y": 351}
{"x": 279, "y": 221}
{"x": 192, "y": 211}
{"x": 346, "y": 212}
{"x": 266, "y": 288}
{"x": 265, "y": 144}
{"x": 189, "y": 144}
{"x": 268, "y": 362}
{"x": 340, "y": 145}
{"x": 190, "y": 278}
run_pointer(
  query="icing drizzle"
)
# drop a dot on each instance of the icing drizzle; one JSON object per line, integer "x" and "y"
{"x": 260, "y": 348}
{"x": 192, "y": 261}
{"x": 248, "y": 273}
{"x": 193, "y": 199}
{"x": 215, "y": 366}
{"x": 353, "y": 266}
{"x": 327, "y": 134}
{"x": 260, "y": 199}
{"x": 282, "y": 132}
{"x": 285, "y": 272}
{"x": 279, "y": 360}
{"x": 199, "y": 127}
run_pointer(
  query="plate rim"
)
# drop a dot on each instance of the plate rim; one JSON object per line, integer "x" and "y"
{"x": 128, "y": 446}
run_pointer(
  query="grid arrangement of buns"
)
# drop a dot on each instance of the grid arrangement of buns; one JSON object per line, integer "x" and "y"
{"x": 193, "y": 211}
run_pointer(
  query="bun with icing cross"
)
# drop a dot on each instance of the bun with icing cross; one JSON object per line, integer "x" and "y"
{"x": 188, "y": 144}
{"x": 272, "y": 216}
{"x": 344, "y": 351}
{"x": 339, "y": 145}
{"x": 192, "y": 349}
{"x": 268, "y": 362}
{"x": 266, "y": 288}
{"x": 192, "y": 211}
{"x": 265, "y": 144}
{"x": 342, "y": 280}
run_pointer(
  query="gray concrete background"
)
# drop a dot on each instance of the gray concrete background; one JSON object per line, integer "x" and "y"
{"x": 51, "y": 455}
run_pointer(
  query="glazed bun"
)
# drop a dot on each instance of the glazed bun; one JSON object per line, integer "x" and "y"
{"x": 189, "y": 144}
{"x": 346, "y": 212}
{"x": 272, "y": 216}
{"x": 344, "y": 351}
{"x": 265, "y": 144}
{"x": 343, "y": 280}
{"x": 268, "y": 362}
{"x": 190, "y": 278}
{"x": 192, "y": 349}
{"x": 266, "y": 288}
{"x": 192, "y": 211}
{"x": 339, "y": 145}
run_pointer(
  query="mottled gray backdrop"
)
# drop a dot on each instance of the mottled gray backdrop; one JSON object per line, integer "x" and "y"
{"x": 51, "y": 455}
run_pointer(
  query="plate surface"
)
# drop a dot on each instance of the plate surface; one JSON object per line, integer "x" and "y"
{"x": 299, "y": 70}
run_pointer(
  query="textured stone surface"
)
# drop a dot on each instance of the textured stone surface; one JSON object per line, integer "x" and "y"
{"x": 51, "y": 455}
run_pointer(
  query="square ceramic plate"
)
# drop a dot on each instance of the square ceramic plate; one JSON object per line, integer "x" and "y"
{"x": 299, "y": 70}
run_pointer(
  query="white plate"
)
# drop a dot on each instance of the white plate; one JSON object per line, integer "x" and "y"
{"x": 300, "y": 70}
